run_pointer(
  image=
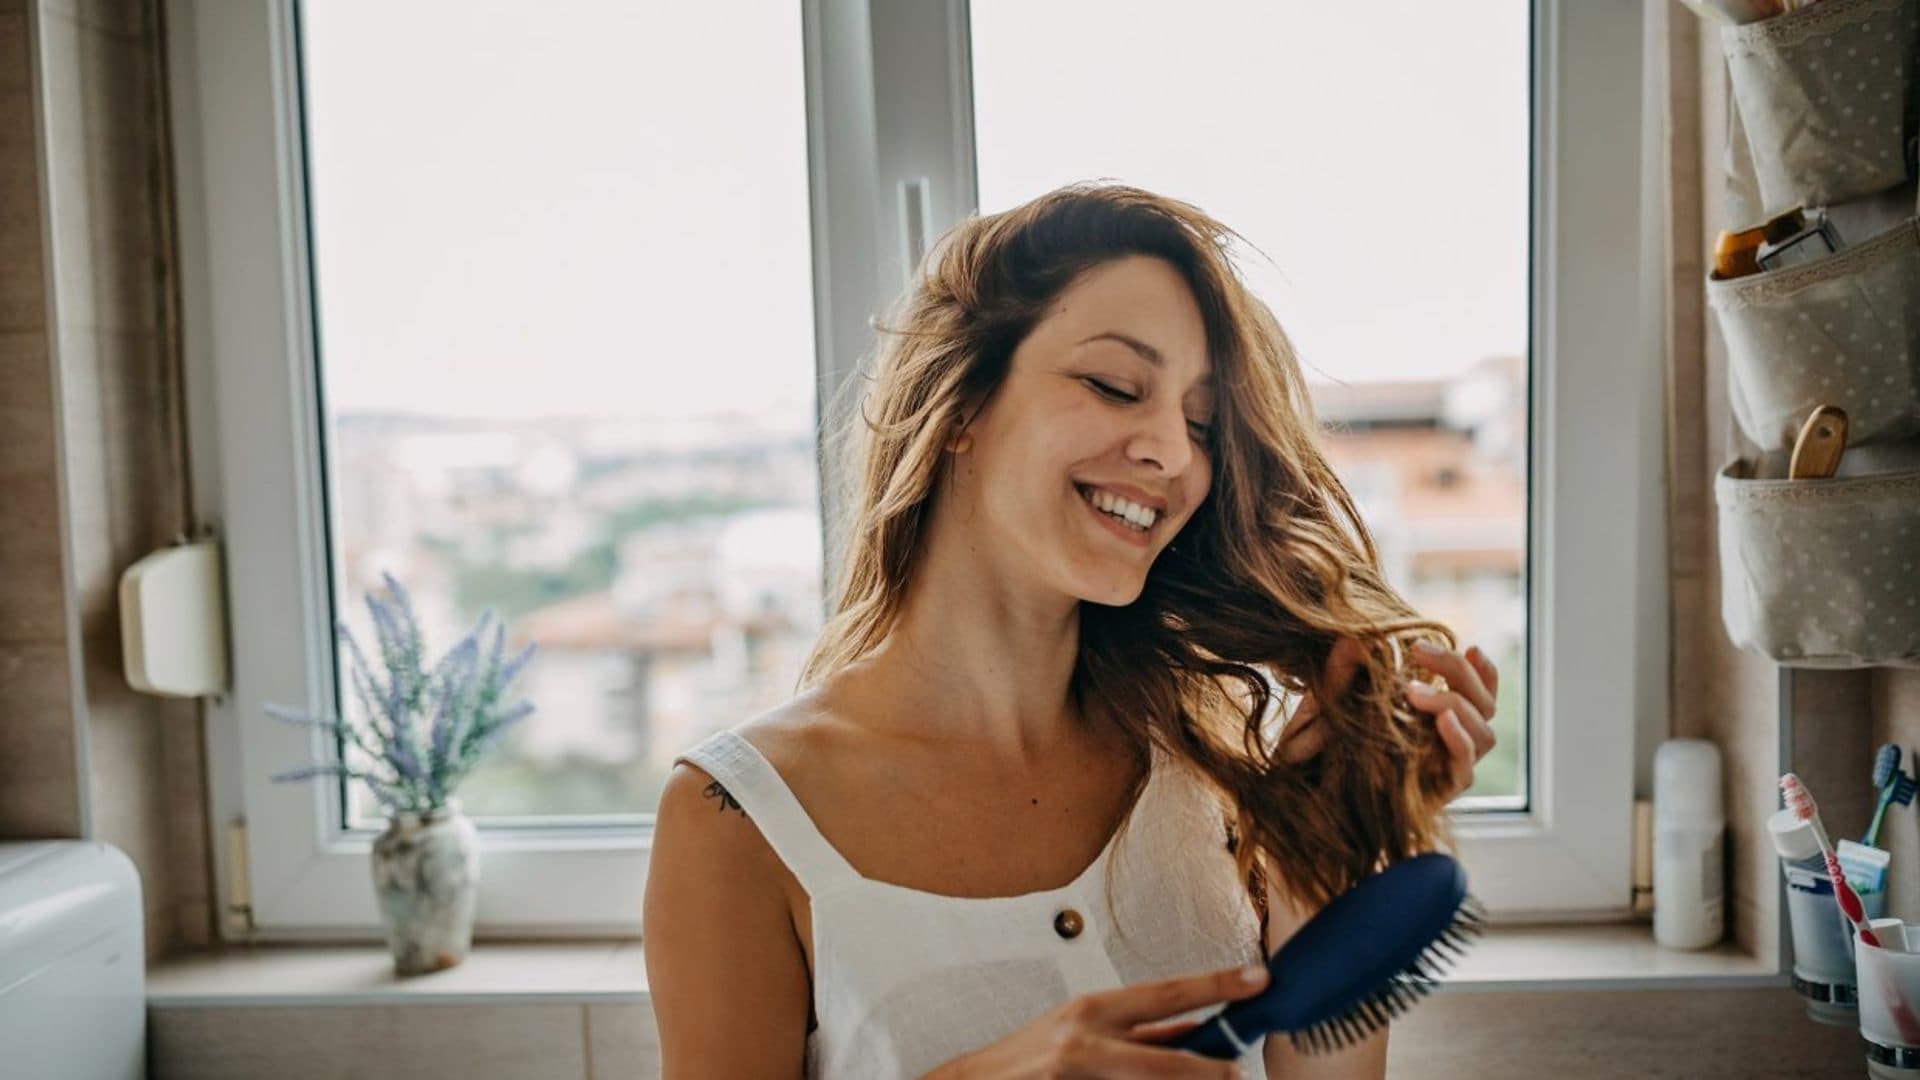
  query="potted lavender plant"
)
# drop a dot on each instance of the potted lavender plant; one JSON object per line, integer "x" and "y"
{"x": 420, "y": 731}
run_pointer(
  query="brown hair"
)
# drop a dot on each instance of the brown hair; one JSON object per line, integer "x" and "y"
{"x": 1272, "y": 571}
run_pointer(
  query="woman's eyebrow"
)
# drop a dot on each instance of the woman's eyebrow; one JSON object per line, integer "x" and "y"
{"x": 1147, "y": 352}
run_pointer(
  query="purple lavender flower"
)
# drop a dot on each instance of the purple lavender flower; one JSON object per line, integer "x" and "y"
{"x": 422, "y": 730}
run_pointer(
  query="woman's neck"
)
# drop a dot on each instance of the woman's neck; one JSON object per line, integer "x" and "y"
{"x": 978, "y": 657}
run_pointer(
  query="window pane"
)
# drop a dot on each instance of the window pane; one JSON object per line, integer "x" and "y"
{"x": 536, "y": 237}
{"x": 1377, "y": 156}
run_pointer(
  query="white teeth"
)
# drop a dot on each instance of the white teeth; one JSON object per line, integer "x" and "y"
{"x": 1140, "y": 517}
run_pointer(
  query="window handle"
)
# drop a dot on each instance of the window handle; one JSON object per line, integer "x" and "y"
{"x": 915, "y": 209}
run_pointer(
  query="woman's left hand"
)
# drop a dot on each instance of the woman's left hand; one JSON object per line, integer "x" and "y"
{"x": 1463, "y": 712}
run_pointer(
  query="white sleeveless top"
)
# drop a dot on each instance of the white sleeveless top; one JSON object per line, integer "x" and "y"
{"x": 907, "y": 980}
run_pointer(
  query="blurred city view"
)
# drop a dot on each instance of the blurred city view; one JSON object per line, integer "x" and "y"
{"x": 564, "y": 318}
{"x": 670, "y": 567}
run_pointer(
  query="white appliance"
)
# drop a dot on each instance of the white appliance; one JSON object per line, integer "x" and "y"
{"x": 72, "y": 963}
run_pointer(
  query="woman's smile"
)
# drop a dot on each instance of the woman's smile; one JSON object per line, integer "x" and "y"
{"x": 1121, "y": 519}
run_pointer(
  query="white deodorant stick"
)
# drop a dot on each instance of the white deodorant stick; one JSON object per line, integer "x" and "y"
{"x": 1689, "y": 874}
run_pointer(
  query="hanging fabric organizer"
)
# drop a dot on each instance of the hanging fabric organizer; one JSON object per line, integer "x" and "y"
{"x": 1826, "y": 94}
{"x": 1823, "y": 572}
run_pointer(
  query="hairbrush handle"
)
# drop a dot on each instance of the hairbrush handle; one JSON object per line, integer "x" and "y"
{"x": 1216, "y": 1038}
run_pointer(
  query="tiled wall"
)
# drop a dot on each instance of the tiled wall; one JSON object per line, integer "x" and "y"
{"x": 93, "y": 397}
{"x": 39, "y": 764}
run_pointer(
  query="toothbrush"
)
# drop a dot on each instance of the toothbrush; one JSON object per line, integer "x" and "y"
{"x": 1894, "y": 784}
{"x": 1800, "y": 801}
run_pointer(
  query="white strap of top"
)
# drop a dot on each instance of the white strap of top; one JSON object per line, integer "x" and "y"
{"x": 754, "y": 783}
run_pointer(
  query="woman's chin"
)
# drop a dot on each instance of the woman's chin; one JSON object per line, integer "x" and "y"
{"x": 1112, "y": 590}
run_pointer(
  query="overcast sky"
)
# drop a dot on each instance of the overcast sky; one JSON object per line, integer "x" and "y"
{"x": 599, "y": 206}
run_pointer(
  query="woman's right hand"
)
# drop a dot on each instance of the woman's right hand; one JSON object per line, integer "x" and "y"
{"x": 1112, "y": 1033}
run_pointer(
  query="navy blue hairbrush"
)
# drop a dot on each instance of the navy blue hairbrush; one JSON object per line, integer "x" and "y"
{"x": 1369, "y": 955}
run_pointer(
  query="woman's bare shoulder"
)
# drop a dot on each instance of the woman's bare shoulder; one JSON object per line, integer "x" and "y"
{"x": 717, "y": 920}
{"x": 807, "y": 738}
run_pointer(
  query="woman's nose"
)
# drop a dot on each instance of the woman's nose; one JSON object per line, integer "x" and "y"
{"x": 1163, "y": 441}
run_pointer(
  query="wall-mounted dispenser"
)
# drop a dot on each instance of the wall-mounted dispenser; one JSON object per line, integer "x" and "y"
{"x": 173, "y": 627}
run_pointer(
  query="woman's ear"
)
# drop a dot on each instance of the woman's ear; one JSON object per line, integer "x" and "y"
{"x": 961, "y": 442}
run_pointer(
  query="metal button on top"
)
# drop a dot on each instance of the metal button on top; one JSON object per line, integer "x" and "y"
{"x": 1067, "y": 924}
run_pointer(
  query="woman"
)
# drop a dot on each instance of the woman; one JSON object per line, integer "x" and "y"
{"x": 1092, "y": 531}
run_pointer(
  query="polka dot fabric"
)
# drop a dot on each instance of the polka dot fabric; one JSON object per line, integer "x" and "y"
{"x": 1822, "y": 573}
{"x": 907, "y": 980}
{"x": 1826, "y": 96}
{"x": 1844, "y": 330}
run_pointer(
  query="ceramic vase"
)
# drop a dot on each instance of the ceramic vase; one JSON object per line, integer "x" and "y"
{"x": 426, "y": 874}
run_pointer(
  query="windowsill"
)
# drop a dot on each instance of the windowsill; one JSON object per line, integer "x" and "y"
{"x": 1506, "y": 960}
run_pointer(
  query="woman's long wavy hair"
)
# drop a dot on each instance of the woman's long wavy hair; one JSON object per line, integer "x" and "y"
{"x": 1272, "y": 571}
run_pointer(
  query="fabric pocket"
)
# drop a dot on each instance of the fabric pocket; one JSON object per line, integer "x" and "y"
{"x": 1825, "y": 95}
{"x": 1822, "y": 573}
{"x": 1843, "y": 330}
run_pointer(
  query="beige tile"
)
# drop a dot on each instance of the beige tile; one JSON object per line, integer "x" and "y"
{"x": 622, "y": 1041}
{"x": 125, "y": 479}
{"x": 32, "y": 593}
{"x": 418, "y": 1042}
{"x": 184, "y": 780}
{"x": 26, "y": 409}
{"x": 23, "y": 301}
{"x": 125, "y": 787}
{"x": 101, "y": 161}
{"x": 1833, "y": 745}
{"x": 193, "y": 924}
{"x": 1690, "y": 703}
{"x": 39, "y": 783}
{"x": 1652, "y": 1035}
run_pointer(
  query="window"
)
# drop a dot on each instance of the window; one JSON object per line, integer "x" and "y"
{"x": 1408, "y": 303}
{"x": 536, "y": 399}
{"x": 484, "y": 331}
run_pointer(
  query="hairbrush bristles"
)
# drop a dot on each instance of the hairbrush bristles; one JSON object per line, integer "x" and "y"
{"x": 1402, "y": 992}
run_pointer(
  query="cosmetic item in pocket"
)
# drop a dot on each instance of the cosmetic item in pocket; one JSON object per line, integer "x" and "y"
{"x": 1736, "y": 252}
{"x": 1816, "y": 239}
{"x": 1736, "y": 11}
{"x": 1372, "y": 953}
{"x": 1817, "y": 450}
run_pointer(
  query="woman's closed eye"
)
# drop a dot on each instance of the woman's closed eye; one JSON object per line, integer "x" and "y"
{"x": 1201, "y": 429}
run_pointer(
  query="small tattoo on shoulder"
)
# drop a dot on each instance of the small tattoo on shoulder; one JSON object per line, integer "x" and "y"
{"x": 727, "y": 801}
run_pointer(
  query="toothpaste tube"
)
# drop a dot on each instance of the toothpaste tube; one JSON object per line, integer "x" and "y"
{"x": 1865, "y": 867}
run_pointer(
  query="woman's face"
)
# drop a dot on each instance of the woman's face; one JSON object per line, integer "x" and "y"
{"x": 1103, "y": 417}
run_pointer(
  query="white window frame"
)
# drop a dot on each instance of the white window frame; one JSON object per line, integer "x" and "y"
{"x": 890, "y": 131}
